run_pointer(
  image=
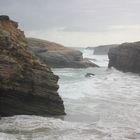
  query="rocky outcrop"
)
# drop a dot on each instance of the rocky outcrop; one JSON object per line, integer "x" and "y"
{"x": 26, "y": 85}
{"x": 125, "y": 57}
{"x": 89, "y": 75}
{"x": 58, "y": 56}
{"x": 103, "y": 49}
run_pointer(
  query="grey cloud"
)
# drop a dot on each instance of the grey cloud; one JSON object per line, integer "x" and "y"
{"x": 74, "y": 15}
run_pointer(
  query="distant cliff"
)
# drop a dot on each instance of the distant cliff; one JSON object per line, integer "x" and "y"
{"x": 103, "y": 49}
{"x": 58, "y": 56}
{"x": 125, "y": 57}
{"x": 26, "y": 85}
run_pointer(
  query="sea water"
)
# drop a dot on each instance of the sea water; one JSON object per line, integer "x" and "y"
{"x": 103, "y": 107}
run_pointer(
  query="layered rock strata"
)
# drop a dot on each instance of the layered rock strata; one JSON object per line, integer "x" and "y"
{"x": 26, "y": 85}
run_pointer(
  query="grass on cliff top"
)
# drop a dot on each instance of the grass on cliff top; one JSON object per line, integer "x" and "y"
{"x": 35, "y": 57}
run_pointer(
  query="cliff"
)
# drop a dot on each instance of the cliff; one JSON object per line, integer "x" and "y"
{"x": 26, "y": 85}
{"x": 58, "y": 56}
{"x": 103, "y": 49}
{"x": 125, "y": 57}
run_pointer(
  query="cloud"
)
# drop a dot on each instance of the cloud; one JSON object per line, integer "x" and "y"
{"x": 125, "y": 27}
{"x": 85, "y": 39}
{"x": 74, "y": 16}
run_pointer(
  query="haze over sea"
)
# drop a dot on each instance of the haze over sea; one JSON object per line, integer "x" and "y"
{"x": 103, "y": 107}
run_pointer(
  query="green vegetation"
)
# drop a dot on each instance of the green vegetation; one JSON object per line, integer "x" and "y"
{"x": 36, "y": 58}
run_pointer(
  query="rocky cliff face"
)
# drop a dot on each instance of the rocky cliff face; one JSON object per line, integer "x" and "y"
{"x": 26, "y": 85}
{"x": 103, "y": 49}
{"x": 125, "y": 57}
{"x": 58, "y": 56}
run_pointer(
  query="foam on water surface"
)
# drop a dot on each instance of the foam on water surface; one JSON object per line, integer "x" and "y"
{"x": 103, "y": 107}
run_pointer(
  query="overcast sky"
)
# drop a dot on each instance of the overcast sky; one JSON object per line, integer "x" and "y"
{"x": 78, "y": 23}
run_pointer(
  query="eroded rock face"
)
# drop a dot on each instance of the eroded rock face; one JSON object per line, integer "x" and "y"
{"x": 58, "y": 56}
{"x": 103, "y": 49}
{"x": 26, "y": 85}
{"x": 125, "y": 57}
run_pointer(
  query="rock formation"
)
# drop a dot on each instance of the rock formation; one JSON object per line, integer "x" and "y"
{"x": 58, "y": 56}
{"x": 125, "y": 57}
{"x": 26, "y": 85}
{"x": 89, "y": 75}
{"x": 103, "y": 49}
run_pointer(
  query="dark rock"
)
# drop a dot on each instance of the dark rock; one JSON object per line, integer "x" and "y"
{"x": 4, "y": 17}
{"x": 89, "y": 75}
{"x": 26, "y": 86}
{"x": 58, "y": 56}
{"x": 125, "y": 57}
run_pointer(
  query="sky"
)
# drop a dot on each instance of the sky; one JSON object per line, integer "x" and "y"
{"x": 77, "y": 23}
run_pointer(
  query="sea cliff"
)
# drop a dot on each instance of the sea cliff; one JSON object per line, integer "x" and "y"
{"x": 125, "y": 57}
{"x": 26, "y": 85}
{"x": 57, "y": 56}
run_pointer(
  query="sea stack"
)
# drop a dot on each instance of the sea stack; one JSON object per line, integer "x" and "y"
{"x": 26, "y": 86}
{"x": 125, "y": 57}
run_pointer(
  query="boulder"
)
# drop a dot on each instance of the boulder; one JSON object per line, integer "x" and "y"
{"x": 125, "y": 57}
{"x": 58, "y": 56}
{"x": 27, "y": 87}
{"x": 89, "y": 75}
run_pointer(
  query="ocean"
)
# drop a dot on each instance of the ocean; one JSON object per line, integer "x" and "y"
{"x": 105, "y": 106}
